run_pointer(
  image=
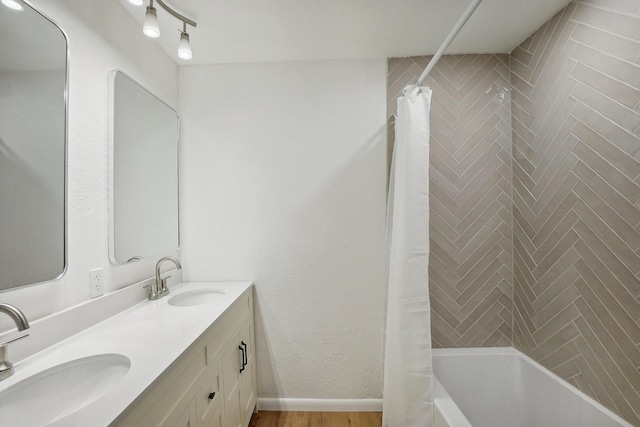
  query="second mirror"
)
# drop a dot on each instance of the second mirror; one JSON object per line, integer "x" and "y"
{"x": 144, "y": 173}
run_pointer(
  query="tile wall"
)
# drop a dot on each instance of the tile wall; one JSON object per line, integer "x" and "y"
{"x": 470, "y": 275}
{"x": 576, "y": 198}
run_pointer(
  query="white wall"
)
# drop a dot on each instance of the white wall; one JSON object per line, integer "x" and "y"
{"x": 283, "y": 182}
{"x": 102, "y": 37}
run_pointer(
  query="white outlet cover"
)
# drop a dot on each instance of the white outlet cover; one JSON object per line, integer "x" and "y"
{"x": 96, "y": 283}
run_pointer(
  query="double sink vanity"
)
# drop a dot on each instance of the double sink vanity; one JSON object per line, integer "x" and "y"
{"x": 183, "y": 360}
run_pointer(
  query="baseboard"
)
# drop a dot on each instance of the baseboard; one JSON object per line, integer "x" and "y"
{"x": 320, "y": 405}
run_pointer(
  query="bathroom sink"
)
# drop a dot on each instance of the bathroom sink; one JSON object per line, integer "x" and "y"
{"x": 196, "y": 297}
{"x": 59, "y": 391}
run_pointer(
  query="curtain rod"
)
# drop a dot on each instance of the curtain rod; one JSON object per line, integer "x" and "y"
{"x": 452, "y": 35}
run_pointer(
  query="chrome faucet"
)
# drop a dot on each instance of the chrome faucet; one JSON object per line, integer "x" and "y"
{"x": 6, "y": 367}
{"x": 158, "y": 288}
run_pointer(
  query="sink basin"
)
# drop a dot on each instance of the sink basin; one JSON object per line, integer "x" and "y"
{"x": 196, "y": 297}
{"x": 61, "y": 390}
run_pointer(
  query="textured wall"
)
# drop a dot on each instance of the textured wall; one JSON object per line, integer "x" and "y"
{"x": 283, "y": 182}
{"x": 470, "y": 275}
{"x": 576, "y": 147}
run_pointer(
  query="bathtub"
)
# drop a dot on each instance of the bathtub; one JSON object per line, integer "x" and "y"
{"x": 501, "y": 387}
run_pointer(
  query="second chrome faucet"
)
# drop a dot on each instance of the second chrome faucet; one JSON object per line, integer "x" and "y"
{"x": 159, "y": 288}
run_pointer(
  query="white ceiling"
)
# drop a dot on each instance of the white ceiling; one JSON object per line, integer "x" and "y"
{"x": 234, "y": 31}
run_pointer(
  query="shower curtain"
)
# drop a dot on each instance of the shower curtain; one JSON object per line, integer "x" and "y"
{"x": 408, "y": 400}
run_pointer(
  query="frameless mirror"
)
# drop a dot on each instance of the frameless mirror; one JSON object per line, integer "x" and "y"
{"x": 33, "y": 85}
{"x": 144, "y": 173}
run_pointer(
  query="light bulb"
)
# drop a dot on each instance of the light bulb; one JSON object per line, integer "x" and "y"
{"x": 12, "y": 4}
{"x": 150, "y": 27}
{"x": 136, "y": 2}
{"x": 184, "y": 47}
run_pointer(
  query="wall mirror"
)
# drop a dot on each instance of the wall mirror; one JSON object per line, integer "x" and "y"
{"x": 144, "y": 173}
{"x": 33, "y": 87}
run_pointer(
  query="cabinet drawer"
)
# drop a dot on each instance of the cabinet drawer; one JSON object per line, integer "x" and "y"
{"x": 209, "y": 395}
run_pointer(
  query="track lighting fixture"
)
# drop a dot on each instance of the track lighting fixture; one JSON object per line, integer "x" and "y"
{"x": 151, "y": 28}
{"x": 184, "y": 47}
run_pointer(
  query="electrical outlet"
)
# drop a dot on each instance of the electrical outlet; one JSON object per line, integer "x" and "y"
{"x": 95, "y": 282}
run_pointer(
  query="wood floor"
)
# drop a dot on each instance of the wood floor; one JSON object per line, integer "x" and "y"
{"x": 316, "y": 419}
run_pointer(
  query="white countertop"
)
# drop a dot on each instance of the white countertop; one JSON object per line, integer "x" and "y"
{"x": 152, "y": 334}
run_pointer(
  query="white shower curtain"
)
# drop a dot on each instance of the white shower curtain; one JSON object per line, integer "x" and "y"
{"x": 408, "y": 373}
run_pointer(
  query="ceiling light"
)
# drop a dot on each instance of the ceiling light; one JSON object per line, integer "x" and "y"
{"x": 150, "y": 27}
{"x": 136, "y": 2}
{"x": 12, "y": 4}
{"x": 184, "y": 47}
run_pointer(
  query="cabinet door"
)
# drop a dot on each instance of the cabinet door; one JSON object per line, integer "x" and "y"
{"x": 231, "y": 364}
{"x": 248, "y": 375}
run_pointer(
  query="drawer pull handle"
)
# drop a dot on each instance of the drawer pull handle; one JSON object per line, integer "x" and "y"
{"x": 244, "y": 357}
{"x": 246, "y": 354}
{"x": 212, "y": 395}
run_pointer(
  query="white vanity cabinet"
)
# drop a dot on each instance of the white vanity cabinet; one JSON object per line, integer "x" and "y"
{"x": 205, "y": 387}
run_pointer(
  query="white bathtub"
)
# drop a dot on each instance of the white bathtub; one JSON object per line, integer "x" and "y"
{"x": 501, "y": 387}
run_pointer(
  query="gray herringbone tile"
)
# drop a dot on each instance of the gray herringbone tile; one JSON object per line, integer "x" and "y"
{"x": 470, "y": 226}
{"x": 576, "y": 235}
